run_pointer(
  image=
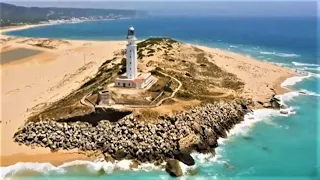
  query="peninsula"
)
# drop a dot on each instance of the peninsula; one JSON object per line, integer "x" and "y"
{"x": 195, "y": 96}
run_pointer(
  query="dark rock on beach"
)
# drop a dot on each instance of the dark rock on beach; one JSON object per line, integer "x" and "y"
{"x": 184, "y": 157}
{"x": 173, "y": 168}
{"x": 275, "y": 103}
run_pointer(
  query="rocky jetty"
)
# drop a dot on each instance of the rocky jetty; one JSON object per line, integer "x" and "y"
{"x": 129, "y": 138}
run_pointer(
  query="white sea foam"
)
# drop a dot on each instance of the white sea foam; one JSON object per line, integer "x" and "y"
{"x": 305, "y": 64}
{"x": 250, "y": 119}
{"x": 311, "y": 69}
{"x": 287, "y": 96}
{"x": 205, "y": 158}
{"x": 279, "y": 54}
{"x": 108, "y": 167}
{"x": 308, "y": 93}
{"x": 293, "y": 80}
{"x": 278, "y": 64}
{"x": 233, "y": 46}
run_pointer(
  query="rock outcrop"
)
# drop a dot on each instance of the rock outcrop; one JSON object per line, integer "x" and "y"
{"x": 130, "y": 138}
{"x": 184, "y": 157}
{"x": 173, "y": 168}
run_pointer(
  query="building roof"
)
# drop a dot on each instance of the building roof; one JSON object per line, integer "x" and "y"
{"x": 137, "y": 80}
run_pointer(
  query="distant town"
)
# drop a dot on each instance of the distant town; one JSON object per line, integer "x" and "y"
{"x": 12, "y": 15}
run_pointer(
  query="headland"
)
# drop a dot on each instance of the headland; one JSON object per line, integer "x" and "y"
{"x": 42, "y": 113}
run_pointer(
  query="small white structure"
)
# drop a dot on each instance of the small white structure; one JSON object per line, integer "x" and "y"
{"x": 132, "y": 78}
{"x": 104, "y": 98}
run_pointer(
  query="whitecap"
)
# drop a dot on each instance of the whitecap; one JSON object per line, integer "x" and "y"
{"x": 286, "y": 97}
{"x": 250, "y": 119}
{"x": 293, "y": 80}
{"x": 278, "y": 64}
{"x": 311, "y": 69}
{"x": 205, "y": 158}
{"x": 233, "y": 46}
{"x": 316, "y": 75}
{"x": 279, "y": 54}
{"x": 308, "y": 93}
{"x": 305, "y": 64}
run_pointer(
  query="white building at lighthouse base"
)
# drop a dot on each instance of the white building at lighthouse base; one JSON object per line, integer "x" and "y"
{"x": 143, "y": 80}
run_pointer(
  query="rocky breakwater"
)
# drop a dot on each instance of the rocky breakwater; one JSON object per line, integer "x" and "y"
{"x": 169, "y": 138}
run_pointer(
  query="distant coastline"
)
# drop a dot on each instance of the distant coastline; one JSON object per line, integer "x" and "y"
{"x": 6, "y": 29}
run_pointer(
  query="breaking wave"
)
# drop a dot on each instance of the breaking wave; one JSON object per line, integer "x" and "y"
{"x": 88, "y": 167}
{"x": 310, "y": 68}
{"x": 294, "y": 80}
{"x": 279, "y": 54}
{"x": 305, "y": 64}
{"x": 308, "y": 93}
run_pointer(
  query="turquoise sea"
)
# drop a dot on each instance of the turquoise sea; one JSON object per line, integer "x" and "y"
{"x": 267, "y": 145}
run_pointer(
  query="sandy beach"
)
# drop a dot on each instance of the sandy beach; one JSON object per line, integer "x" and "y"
{"x": 31, "y": 83}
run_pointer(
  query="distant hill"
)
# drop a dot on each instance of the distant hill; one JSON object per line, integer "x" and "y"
{"x": 15, "y": 15}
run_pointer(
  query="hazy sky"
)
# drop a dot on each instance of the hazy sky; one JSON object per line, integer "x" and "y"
{"x": 183, "y": 7}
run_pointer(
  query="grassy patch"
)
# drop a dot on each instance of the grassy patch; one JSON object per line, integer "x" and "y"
{"x": 155, "y": 41}
{"x": 147, "y": 115}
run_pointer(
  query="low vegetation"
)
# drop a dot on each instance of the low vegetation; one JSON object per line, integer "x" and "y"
{"x": 202, "y": 80}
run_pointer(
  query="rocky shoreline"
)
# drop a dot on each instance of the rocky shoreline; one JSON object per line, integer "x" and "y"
{"x": 169, "y": 138}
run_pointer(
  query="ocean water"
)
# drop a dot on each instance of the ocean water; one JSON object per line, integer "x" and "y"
{"x": 267, "y": 145}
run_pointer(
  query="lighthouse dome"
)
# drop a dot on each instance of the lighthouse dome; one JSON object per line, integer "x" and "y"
{"x": 130, "y": 34}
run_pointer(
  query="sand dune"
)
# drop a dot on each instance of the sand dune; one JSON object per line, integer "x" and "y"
{"x": 43, "y": 78}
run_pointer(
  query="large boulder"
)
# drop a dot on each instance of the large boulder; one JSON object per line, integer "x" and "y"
{"x": 196, "y": 127}
{"x": 134, "y": 164}
{"x": 184, "y": 157}
{"x": 119, "y": 155}
{"x": 108, "y": 158}
{"x": 275, "y": 103}
{"x": 188, "y": 141}
{"x": 173, "y": 168}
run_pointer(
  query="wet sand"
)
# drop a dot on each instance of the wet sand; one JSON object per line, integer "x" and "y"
{"x": 17, "y": 54}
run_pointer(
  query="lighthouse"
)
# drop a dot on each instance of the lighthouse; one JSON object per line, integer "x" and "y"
{"x": 131, "y": 55}
{"x": 132, "y": 78}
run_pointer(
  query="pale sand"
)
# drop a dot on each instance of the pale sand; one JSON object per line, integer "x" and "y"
{"x": 41, "y": 79}
{"x": 51, "y": 75}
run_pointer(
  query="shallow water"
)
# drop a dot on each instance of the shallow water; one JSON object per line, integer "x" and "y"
{"x": 270, "y": 146}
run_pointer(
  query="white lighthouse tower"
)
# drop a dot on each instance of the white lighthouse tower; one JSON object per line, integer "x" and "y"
{"x": 131, "y": 55}
{"x": 132, "y": 78}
